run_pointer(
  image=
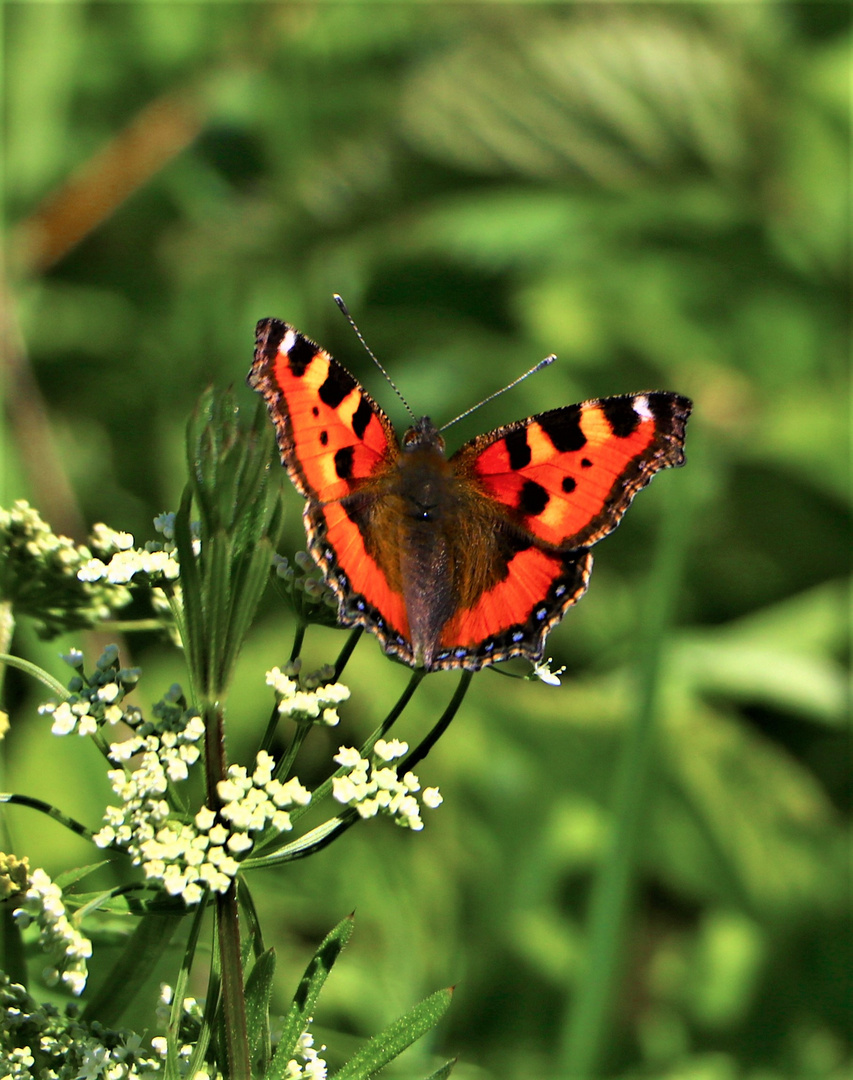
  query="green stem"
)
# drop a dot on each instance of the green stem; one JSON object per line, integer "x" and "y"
{"x": 227, "y": 920}
{"x": 298, "y": 638}
{"x": 347, "y": 651}
{"x": 55, "y": 687}
{"x": 429, "y": 741}
{"x": 586, "y": 1033}
{"x": 179, "y": 992}
{"x": 52, "y": 812}
{"x": 283, "y": 768}
{"x": 272, "y": 724}
{"x": 7, "y": 630}
{"x": 233, "y": 997}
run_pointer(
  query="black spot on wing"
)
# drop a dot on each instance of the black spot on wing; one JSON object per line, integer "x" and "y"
{"x": 300, "y": 355}
{"x": 517, "y": 448}
{"x": 338, "y": 383}
{"x": 533, "y": 498}
{"x": 343, "y": 462}
{"x": 586, "y": 463}
{"x": 324, "y": 438}
{"x": 361, "y": 418}
{"x": 569, "y": 484}
{"x": 621, "y": 416}
{"x": 562, "y": 426}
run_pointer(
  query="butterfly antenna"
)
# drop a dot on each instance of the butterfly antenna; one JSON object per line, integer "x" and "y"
{"x": 370, "y": 353}
{"x": 537, "y": 367}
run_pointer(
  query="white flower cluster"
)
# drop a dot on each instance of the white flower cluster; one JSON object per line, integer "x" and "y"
{"x": 191, "y": 857}
{"x": 304, "y": 703}
{"x": 251, "y": 803}
{"x": 41, "y": 572}
{"x": 178, "y": 854}
{"x": 153, "y": 560}
{"x": 157, "y": 560}
{"x": 542, "y": 671}
{"x": 372, "y": 787}
{"x": 26, "y": 528}
{"x": 307, "y": 1065}
{"x": 65, "y": 1046}
{"x": 94, "y": 700}
{"x": 66, "y": 946}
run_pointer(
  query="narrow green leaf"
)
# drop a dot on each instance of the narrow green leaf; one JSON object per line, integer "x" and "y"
{"x": 131, "y": 900}
{"x": 208, "y": 1019}
{"x": 444, "y": 1071}
{"x": 390, "y": 1043}
{"x": 193, "y": 612}
{"x": 248, "y": 583}
{"x": 302, "y": 1006}
{"x": 77, "y": 873}
{"x": 179, "y": 992}
{"x": 132, "y": 969}
{"x": 215, "y": 577}
{"x": 50, "y": 811}
{"x": 312, "y": 841}
{"x": 258, "y": 996}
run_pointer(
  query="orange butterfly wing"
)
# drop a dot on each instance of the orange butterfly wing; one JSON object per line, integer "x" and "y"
{"x": 337, "y": 446}
{"x": 466, "y": 562}
{"x": 563, "y": 480}
{"x": 567, "y": 476}
{"x": 332, "y": 435}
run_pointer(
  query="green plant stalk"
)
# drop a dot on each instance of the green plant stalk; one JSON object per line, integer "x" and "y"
{"x": 585, "y": 1034}
{"x": 227, "y": 921}
{"x": 7, "y": 630}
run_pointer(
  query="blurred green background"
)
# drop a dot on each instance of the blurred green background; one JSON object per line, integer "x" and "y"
{"x": 658, "y": 193}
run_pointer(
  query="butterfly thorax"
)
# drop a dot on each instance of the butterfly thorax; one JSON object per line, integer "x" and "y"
{"x": 426, "y": 489}
{"x": 423, "y": 474}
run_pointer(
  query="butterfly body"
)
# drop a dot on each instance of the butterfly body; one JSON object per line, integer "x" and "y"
{"x": 464, "y": 561}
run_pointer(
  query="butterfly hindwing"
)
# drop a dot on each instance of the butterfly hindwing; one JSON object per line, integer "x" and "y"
{"x": 567, "y": 476}
{"x": 513, "y": 617}
{"x": 331, "y": 433}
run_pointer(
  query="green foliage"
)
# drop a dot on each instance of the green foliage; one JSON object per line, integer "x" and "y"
{"x": 657, "y": 193}
{"x": 240, "y": 522}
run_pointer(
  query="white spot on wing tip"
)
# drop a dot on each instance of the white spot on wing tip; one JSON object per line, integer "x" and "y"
{"x": 287, "y": 342}
{"x": 641, "y": 407}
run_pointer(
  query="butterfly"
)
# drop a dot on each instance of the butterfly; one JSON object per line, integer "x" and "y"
{"x": 465, "y": 561}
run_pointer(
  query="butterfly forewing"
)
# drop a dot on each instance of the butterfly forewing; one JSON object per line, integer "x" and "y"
{"x": 331, "y": 434}
{"x": 566, "y": 476}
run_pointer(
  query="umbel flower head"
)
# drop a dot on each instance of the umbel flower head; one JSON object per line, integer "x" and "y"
{"x": 39, "y": 902}
{"x": 39, "y": 1040}
{"x": 39, "y": 573}
{"x": 372, "y": 787}
{"x": 190, "y": 856}
{"x": 312, "y": 698}
{"x": 96, "y": 699}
